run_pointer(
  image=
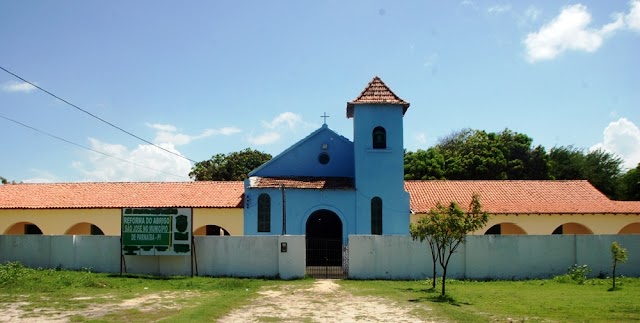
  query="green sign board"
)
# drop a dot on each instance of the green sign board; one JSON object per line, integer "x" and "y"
{"x": 156, "y": 231}
{"x": 146, "y": 230}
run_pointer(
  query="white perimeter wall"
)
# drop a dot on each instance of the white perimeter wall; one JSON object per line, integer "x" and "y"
{"x": 387, "y": 257}
{"x": 491, "y": 257}
{"x": 216, "y": 256}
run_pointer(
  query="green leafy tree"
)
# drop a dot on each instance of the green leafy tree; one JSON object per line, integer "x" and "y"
{"x": 602, "y": 169}
{"x": 630, "y": 185}
{"x": 232, "y": 167}
{"x": 566, "y": 162}
{"x": 424, "y": 164}
{"x": 425, "y": 229}
{"x": 3, "y": 180}
{"x": 448, "y": 227}
{"x": 475, "y": 154}
{"x": 618, "y": 255}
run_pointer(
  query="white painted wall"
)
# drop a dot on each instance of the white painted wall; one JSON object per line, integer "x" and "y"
{"x": 250, "y": 256}
{"x": 388, "y": 257}
{"x": 73, "y": 252}
{"x": 490, "y": 257}
{"x": 257, "y": 256}
{"x": 291, "y": 263}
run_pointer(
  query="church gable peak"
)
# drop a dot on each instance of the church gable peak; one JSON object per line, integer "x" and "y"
{"x": 377, "y": 92}
{"x": 323, "y": 153}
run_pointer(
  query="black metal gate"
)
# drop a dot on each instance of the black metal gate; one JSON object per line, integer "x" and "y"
{"x": 325, "y": 258}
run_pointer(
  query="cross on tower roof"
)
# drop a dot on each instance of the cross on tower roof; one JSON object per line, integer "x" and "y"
{"x": 325, "y": 116}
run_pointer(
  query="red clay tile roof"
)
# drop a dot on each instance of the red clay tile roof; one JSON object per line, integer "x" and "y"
{"x": 377, "y": 92}
{"x": 119, "y": 195}
{"x": 497, "y": 197}
{"x": 517, "y": 197}
{"x": 303, "y": 182}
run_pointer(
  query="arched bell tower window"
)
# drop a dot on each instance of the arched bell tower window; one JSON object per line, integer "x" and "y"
{"x": 379, "y": 138}
{"x": 264, "y": 213}
{"x": 376, "y": 215}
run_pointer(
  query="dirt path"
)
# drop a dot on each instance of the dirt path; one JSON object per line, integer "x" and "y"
{"x": 325, "y": 301}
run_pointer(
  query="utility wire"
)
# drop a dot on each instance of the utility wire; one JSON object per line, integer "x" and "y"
{"x": 87, "y": 148}
{"x": 94, "y": 116}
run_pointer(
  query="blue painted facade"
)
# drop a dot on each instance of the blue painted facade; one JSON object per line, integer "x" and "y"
{"x": 301, "y": 159}
{"x": 372, "y": 170}
{"x": 380, "y": 172}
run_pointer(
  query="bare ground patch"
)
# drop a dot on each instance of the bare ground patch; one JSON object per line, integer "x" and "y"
{"x": 325, "y": 301}
{"x": 22, "y": 311}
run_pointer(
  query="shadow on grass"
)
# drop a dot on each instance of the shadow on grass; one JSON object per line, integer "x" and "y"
{"x": 433, "y": 295}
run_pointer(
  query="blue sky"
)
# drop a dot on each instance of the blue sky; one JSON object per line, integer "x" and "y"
{"x": 201, "y": 78}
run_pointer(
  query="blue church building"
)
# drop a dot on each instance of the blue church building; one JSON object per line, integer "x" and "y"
{"x": 327, "y": 187}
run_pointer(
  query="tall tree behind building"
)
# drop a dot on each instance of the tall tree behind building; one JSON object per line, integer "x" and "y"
{"x": 630, "y": 185}
{"x": 476, "y": 154}
{"x": 232, "y": 167}
{"x": 602, "y": 169}
{"x": 479, "y": 155}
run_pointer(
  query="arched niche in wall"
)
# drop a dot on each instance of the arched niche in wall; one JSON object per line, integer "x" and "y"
{"x": 631, "y": 228}
{"x": 23, "y": 228}
{"x": 211, "y": 230}
{"x": 505, "y": 228}
{"x": 85, "y": 228}
{"x": 572, "y": 228}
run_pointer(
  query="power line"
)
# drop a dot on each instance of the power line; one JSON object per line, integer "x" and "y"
{"x": 87, "y": 148}
{"x": 94, "y": 116}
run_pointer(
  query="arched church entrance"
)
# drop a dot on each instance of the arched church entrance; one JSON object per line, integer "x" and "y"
{"x": 324, "y": 245}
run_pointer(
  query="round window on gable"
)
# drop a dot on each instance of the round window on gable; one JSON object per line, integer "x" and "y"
{"x": 323, "y": 158}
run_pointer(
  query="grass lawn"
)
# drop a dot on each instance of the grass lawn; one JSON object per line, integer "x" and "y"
{"x": 531, "y": 300}
{"x": 85, "y": 296}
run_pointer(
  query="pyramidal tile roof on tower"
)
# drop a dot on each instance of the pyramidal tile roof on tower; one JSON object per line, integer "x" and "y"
{"x": 377, "y": 92}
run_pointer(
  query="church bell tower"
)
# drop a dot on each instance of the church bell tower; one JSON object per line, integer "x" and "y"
{"x": 382, "y": 204}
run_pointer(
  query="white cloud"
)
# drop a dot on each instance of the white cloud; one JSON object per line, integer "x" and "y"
{"x": 13, "y": 86}
{"x": 264, "y": 138}
{"x": 532, "y": 13}
{"x": 41, "y": 176}
{"x": 144, "y": 162}
{"x": 431, "y": 60}
{"x": 469, "y": 3}
{"x": 421, "y": 138}
{"x": 568, "y": 31}
{"x": 284, "y": 123}
{"x": 168, "y": 134}
{"x": 288, "y": 119}
{"x": 618, "y": 23}
{"x": 633, "y": 18}
{"x": 498, "y": 9}
{"x": 622, "y": 137}
{"x": 227, "y": 131}
{"x": 162, "y": 127}
{"x": 158, "y": 164}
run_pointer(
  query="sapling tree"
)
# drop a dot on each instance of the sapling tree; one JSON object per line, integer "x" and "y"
{"x": 425, "y": 229}
{"x": 618, "y": 255}
{"x": 449, "y": 226}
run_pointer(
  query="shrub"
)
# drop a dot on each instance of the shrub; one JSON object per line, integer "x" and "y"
{"x": 10, "y": 273}
{"x": 578, "y": 273}
{"x": 575, "y": 274}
